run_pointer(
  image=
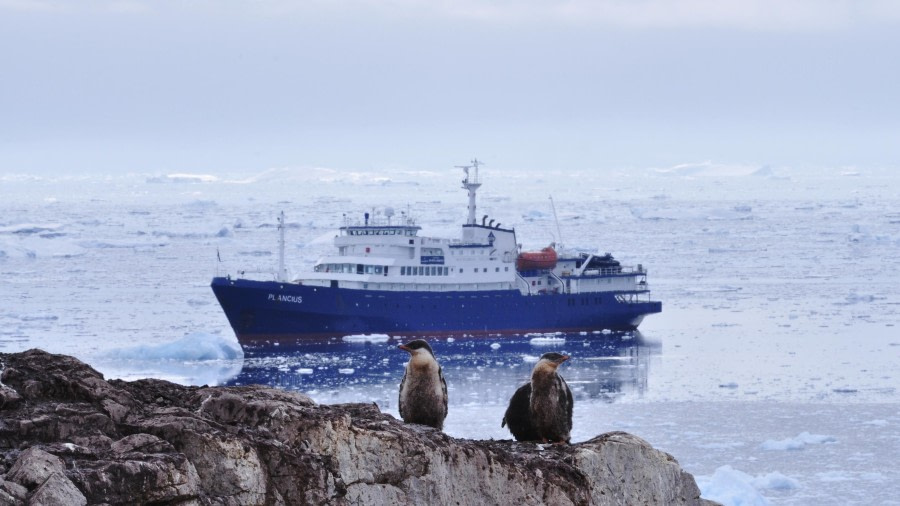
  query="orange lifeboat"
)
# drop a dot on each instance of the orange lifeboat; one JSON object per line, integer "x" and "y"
{"x": 532, "y": 260}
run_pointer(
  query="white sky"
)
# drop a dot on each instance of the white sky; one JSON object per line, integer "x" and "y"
{"x": 216, "y": 86}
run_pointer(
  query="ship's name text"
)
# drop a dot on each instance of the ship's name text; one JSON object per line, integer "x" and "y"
{"x": 297, "y": 299}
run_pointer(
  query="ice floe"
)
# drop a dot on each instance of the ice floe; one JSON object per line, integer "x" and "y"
{"x": 192, "y": 347}
{"x": 732, "y": 487}
{"x": 799, "y": 442}
{"x": 366, "y": 338}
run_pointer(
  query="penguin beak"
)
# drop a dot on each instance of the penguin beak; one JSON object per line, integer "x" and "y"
{"x": 404, "y": 348}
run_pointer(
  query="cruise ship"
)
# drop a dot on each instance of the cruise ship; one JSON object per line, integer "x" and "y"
{"x": 384, "y": 278}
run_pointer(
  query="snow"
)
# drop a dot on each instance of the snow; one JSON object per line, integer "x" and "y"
{"x": 770, "y": 374}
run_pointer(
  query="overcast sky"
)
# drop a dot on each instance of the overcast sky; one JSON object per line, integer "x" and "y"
{"x": 239, "y": 85}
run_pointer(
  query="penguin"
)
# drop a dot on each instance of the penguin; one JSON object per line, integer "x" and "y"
{"x": 423, "y": 391}
{"x": 541, "y": 410}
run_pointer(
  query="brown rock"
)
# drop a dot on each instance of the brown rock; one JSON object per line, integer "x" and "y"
{"x": 148, "y": 441}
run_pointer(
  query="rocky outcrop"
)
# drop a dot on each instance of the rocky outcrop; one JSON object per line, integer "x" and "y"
{"x": 67, "y": 436}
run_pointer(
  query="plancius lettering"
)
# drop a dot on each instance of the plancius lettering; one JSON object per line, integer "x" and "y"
{"x": 296, "y": 299}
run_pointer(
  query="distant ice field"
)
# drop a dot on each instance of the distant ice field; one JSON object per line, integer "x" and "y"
{"x": 771, "y": 372}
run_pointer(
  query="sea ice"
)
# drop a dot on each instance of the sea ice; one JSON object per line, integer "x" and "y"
{"x": 731, "y": 487}
{"x": 547, "y": 341}
{"x": 797, "y": 443}
{"x": 192, "y": 347}
{"x": 366, "y": 338}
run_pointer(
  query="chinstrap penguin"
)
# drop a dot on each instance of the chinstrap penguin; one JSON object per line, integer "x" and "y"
{"x": 423, "y": 391}
{"x": 541, "y": 410}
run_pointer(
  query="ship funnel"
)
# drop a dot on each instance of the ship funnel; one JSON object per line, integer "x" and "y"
{"x": 491, "y": 223}
{"x": 483, "y": 218}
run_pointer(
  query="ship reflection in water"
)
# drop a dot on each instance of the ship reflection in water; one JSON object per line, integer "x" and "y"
{"x": 604, "y": 366}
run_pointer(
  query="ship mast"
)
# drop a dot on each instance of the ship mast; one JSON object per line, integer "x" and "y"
{"x": 280, "y": 276}
{"x": 471, "y": 184}
{"x": 558, "y": 231}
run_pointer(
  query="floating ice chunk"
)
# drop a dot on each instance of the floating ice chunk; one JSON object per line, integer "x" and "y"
{"x": 547, "y": 341}
{"x": 730, "y": 384}
{"x": 797, "y": 443}
{"x": 833, "y": 476}
{"x": 366, "y": 338}
{"x": 29, "y": 228}
{"x": 530, "y": 358}
{"x": 730, "y": 486}
{"x": 304, "y": 370}
{"x": 450, "y": 339}
{"x": 495, "y": 346}
{"x": 192, "y": 347}
{"x": 38, "y": 317}
{"x": 775, "y": 481}
{"x": 720, "y": 446}
{"x": 347, "y": 370}
{"x": 183, "y": 178}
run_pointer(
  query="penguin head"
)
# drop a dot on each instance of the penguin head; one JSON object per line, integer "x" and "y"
{"x": 553, "y": 359}
{"x": 416, "y": 347}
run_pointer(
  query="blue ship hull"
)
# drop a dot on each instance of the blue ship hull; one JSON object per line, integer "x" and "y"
{"x": 263, "y": 313}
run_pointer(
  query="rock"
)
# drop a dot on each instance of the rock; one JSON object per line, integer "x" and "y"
{"x": 151, "y": 441}
{"x": 12, "y": 493}
{"x": 33, "y": 467}
{"x": 8, "y": 397}
{"x": 58, "y": 491}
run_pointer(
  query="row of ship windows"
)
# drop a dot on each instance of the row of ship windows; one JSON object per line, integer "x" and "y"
{"x": 438, "y": 252}
{"x": 422, "y": 270}
{"x": 582, "y": 301}
{"x": 392, "y": 231}
{"x": 426, "y": 270}
{"x": 430, "y": 270}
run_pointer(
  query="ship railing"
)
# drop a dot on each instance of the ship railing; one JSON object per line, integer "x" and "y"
{"x": 523, "y": 282}
{"x": 614, "y": 271}
{"x": 633, "y": 298}
{"x": 563, "y": 287}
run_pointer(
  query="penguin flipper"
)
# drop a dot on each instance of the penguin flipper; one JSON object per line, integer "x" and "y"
{"x": 401, "y": 404}
{"x": 518, "y": 415}
{"x": 444, "y": 392}
{"x": 566, "y": 404}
